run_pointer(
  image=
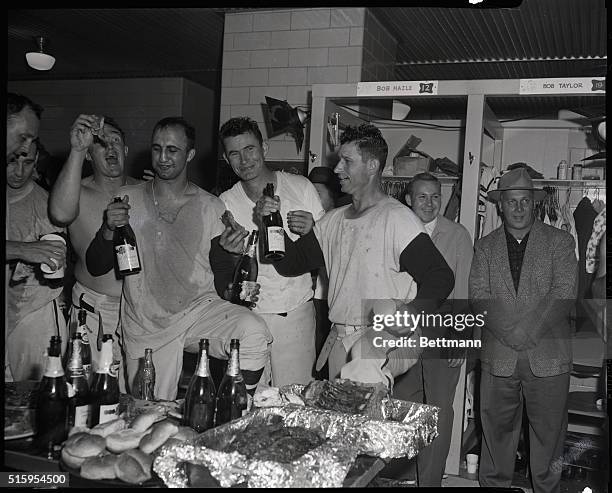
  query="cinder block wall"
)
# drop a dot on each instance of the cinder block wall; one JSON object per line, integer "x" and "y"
{"x": 281, "y": 53}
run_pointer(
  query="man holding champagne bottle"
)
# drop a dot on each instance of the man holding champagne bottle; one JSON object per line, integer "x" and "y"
{"x": 376, "y": 252}
{"x": 285, "y": 303}
{"x": 79, "y": 204}
{"x": 173, "y": 301}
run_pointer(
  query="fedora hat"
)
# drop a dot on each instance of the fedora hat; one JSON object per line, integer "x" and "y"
{"x": 517, "y": 179}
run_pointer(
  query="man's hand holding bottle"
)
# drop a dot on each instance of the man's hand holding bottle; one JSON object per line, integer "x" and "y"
{"x": 116, "y": 215}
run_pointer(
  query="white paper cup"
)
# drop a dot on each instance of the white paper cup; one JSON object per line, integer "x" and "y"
{"x": 472, "y": 463}
{"x": 58, "y": 272}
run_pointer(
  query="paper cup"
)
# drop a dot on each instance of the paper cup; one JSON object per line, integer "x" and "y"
{"x": 472, "y": 463}
{"x": 58, "y": 272}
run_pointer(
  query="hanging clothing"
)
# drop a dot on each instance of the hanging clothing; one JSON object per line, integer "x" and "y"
{"x": 489, "y": 219}
{"x": 584, "y": 217}
{"x": 599, "y": 228}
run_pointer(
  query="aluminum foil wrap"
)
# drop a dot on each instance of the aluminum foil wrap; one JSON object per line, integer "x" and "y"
{"x": 407, "y": 428}
{"x": 325, "y": 466}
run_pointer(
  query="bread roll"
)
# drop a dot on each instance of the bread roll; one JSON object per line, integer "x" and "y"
{"x": 132, "y": 467}
{"x": 105, "y": 429}
{"x": 79, "y": 447}
{"x": 145, "y": 420}
{"x": 102, "y": 467}
{"x": 123, "y": 440}
{"x": 158, "y": 435}
{"x": 78, "y": 429}
{"x": 185, "y": 433}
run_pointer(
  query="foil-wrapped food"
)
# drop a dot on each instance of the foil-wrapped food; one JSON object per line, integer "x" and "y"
{"x": 304, "y": 437}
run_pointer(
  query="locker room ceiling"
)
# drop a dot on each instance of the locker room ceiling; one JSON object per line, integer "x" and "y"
{"x": 540, "y": 38}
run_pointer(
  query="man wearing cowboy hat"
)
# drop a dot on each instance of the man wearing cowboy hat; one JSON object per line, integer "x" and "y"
{"x": 523, "y": 278}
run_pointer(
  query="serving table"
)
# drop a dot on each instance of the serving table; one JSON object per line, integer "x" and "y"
{"x": 20, "y": 455}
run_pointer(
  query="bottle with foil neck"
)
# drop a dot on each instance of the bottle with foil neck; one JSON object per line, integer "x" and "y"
{"x": 52, "y": 401}
{"x": 79, "y": 409}
{"x": 232, "y": 397}
{"x": 199, "y": 411}
{"x": 245, "y": 275}
{"x": 105, "y": 387}
{"x": 83, "y": 329}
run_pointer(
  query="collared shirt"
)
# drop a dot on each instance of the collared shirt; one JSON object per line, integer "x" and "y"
{"x": 430, "y": 226}
{"x": 516, "y": 252}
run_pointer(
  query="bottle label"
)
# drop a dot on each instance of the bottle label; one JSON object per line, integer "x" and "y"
{"x": 54, "y": 367}
{"x": 82, "y": 329}
{"x": 127, "y": 257}
{"x": 113, "y": 369}
{"x": 109, "y": 412}
{"x": 248, "y": 290}
{"x": 71, "y": 391}
{"x": 87, "y": 371}
{"x": 81, "y": 415}
{"x": 276, "y": 239}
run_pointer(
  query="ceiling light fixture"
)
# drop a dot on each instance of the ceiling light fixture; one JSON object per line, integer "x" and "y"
{"x": 39, "y": 60}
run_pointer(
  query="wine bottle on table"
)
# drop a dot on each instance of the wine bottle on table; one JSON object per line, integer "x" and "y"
{"x": 145, "y": 379}
{"x": 85, "y": 347}
{"x": 79, "y": 409}
{"x": 105, "y": 387}
{"x": 245, "y": 275}
{"x": 126, "y": 249}
{"x": 274, "y": 236}
{"x": 52, "y": 401}
{"x": 232, "y": 396}
{"x": 199, "y": 412}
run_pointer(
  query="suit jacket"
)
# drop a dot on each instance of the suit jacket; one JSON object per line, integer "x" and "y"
{"x": 532, "y": 323}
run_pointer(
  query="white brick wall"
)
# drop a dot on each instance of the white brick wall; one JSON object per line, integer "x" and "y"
{"x": 288, "y": 76}
{"x": 347, "y": 17}
{"x": 289, "y": 39}
{"x": 271, "y": 21}
{"x": 252, "y": 41}
{"x": 330, "y": 37}
{"x": 349, "y": 55}
{"x": 237, "y": 23}
{"x": 269, "y": 58}
{"x": 281, "y": 53}
{"x": 310, "y": 19}
{"x": 308, "y": 57}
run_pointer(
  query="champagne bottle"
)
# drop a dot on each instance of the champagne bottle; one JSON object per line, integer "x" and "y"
{"x": 245, "y": 274}
{"x": 52, "y": 401}
{"x": 199, "y": 411}
{"x": 145, "y": 379}
{"x": 105, "y": 387}
{"x": 274, "y": 235}
{"x": 85, "y": 347}
{"x": 232, "y": 395}
{"x": 126, "y": 249}
{"x": 79, "y": 408}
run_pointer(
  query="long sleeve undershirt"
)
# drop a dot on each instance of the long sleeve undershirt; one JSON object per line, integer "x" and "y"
{"x": 421, "y": 259}
{"x": 100, "y": 259}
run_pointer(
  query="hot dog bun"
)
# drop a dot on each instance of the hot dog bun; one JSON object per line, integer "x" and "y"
{"x": 133, "y": 466}
{"x": 102, "y": 467}
{"x": 157, "y": 436}
{"x": 81, "y": 446}
{"x": 123, "y": 440}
